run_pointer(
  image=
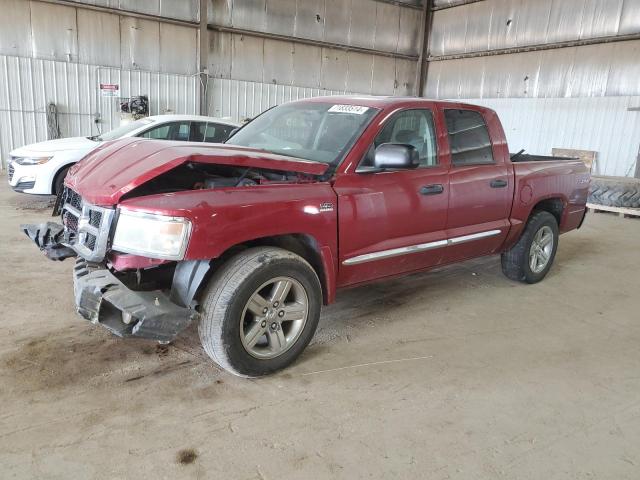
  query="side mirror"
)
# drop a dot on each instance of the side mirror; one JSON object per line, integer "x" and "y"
{"x": 396, "y": 156}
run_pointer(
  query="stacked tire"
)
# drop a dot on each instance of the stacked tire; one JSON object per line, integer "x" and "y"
{"x": 615, "y": 191}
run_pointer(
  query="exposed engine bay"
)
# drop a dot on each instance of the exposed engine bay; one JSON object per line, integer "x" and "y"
{"x": 204, "y": 176}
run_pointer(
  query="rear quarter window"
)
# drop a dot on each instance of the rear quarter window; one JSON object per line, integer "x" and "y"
{"x": 468, "y": 138}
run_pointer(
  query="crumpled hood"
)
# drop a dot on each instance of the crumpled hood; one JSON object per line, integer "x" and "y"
{"x": 118, "y": 167}
{"x": 53, "y": 146}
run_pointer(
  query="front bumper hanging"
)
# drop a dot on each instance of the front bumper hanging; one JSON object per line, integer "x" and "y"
{"x": 103, "y": 299}
{"x": 49, "y": 238}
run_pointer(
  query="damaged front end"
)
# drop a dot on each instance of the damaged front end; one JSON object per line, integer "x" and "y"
{"x": 155, "y": 303}
{"x": 104, "y": 299}
{"x": 84, "y": 231}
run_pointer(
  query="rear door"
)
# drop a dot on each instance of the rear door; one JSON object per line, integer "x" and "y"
{"x": 393, "y": 221}
{"x": 480, "y": 182}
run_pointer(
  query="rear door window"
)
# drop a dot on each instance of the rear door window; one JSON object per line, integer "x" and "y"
{"x": 168, "y": 131}
{"x": 198, "y": 130}
{"x": 217, "y": 132}
{"x": 468, "y": 138}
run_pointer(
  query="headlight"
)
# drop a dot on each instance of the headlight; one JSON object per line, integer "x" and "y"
{"x": 150, "y": 235}
{"x": 32, "y": 160}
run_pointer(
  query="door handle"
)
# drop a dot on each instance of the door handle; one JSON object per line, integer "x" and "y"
{"x": 434, "y": 189}
{"x": 498, "y": 183}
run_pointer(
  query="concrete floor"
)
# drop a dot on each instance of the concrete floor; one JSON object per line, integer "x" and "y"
{"x": 458, "y": 374}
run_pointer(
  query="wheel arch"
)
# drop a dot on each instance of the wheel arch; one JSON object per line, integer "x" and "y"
{"x": 555, "y": 205}
{"x": 64, "y": 168}
{"x": 320, "y": 258}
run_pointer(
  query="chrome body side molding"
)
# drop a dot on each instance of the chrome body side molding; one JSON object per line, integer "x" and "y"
{"x": 395, "y": 252}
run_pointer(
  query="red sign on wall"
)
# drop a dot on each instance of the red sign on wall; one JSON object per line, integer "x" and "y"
{"x": 109, "y": 89}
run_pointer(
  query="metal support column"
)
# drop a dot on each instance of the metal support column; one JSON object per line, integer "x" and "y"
{"x": 203, "y": 60}
{"x": 425, "y": 33}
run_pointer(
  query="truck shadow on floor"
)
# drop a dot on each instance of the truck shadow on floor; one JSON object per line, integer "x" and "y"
{"x": 379, "y": 302}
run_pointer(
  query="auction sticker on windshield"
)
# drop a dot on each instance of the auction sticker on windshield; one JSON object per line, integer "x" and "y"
{"x": 357, "y": 109}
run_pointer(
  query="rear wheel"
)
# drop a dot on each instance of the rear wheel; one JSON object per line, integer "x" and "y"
{"x": 530, "y": 259}
{"x": 259, "y": 311}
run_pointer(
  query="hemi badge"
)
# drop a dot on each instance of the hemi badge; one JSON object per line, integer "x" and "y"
{"x": 326, "y": 207}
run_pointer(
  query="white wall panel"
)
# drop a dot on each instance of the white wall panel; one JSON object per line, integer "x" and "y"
{"x": 387, "y": 27}
{"x": 279, "y": 17}
{"x": 278, "y": 63}
{"x": 98, "y": 34}
{"x": 602, "y": 124}
{"x": 309, "y": 19}
{"x": 54, "y": 32}
{"x": 139, "y": 42}
{"x": 363, "y": 16}
{"x": 307, "y": 65}
{"x": 178, "y": 48}
{"x": 15, "y": 28}
{"x": 248, "y": 57}
{"x": 177, "y": 9}
{"x": 334, "y": 69}
{"x": 180, "y": 9}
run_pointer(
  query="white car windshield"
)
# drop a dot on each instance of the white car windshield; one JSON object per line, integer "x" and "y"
{"x": 312, "y": 131}
{"x": 122, "y": 130}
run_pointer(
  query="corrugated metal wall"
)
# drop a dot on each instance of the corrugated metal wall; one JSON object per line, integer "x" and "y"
{"x": 494, "y": 24}
{"x": 242, "y": 99}
{"x": 609, "y": 69}
{"x": 366, "y": 24}
{"x": 591, "y": 70}
{"x": 603, "y": 124}
{"x": 574, "y": 95}
{"x": 78, "y": 35}
{"x": 27, "y": 85}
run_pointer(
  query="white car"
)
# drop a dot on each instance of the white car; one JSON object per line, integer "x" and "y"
{"x": 40, "y": 168}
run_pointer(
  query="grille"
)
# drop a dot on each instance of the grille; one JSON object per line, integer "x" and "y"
{"x": 86, "y": 226}
{"x": 91, "y": 241}
{"x": 10, "y": 172}
{"x": 25, "y": 185}
{"x": 73, "y": 199}
{"x": 70, "y": 222}
{"x": 95, "y": 217}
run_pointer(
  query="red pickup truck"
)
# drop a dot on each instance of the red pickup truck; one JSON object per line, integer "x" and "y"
{"x": 249, "y": 238}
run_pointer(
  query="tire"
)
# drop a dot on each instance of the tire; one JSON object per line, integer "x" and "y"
{"x": 615, "y": 192}
{"x": 58, "y": 182}
{"x": 517, "y": 261}
{"x": 228, "y": 322}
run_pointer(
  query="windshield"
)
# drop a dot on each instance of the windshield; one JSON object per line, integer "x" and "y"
{"x": 122, "y": 130}
{"x": 312, "y": 131}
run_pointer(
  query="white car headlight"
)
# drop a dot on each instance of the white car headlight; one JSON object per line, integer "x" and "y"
{"x": 32, "y": 160}
{"x": 151, "y": 235}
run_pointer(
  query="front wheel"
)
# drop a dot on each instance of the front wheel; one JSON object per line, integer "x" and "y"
{"x": 58, "y": 183}
{"x": 259, "y": 311}
{"x": 530, "y": 259}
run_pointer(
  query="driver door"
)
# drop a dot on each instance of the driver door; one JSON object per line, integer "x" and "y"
{"x": 393, "y": 222}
